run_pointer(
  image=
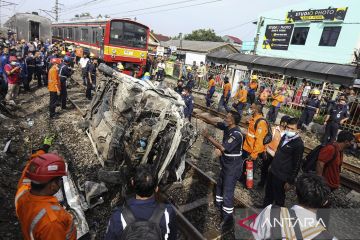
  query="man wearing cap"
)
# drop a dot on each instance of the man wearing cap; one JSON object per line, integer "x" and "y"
{"x": 64, "y": 72}
{"x": 12, "y": 71}
{"x": 40, "y": 214}
{"x": 54, "y": 86}
{"x": 252, "y": 89}
{"x": 336, "y": 116}
{"x": 312, "y": 105}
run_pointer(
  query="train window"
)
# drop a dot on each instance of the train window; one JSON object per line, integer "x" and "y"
{"x": 128, "y": 34}
{"x": 70, "y": 33}
{"x": 84, "y": 34}
{"x": 94, "y": 35}
{"x": 54, "y": 31}
{"x": 60, "y": 32}
{"x": 77, "y": 34}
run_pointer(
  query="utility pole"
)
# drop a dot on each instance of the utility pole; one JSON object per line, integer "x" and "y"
{"x": 256, "y": 40}
{"x": 56, "y": 10}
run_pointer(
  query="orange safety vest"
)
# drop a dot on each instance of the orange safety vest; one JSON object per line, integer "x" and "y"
{"x": 227, "y": 89}
{"x": 254, "y": 138}
{"x": 211, "y": 84}
{"x": 273, "y": 145}
{"x": 241, "y": 95}
{"x": 42, "y": 217}
{"x": 277, "y": 100}
{"x": 54, "y": 79}
{"x": 79, "y": 52}
{"x": 253, "y": 85}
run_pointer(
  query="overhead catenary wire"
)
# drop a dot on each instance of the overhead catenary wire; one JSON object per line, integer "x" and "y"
{"x": 165, "y": 10}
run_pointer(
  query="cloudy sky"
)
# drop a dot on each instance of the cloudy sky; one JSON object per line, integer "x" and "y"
{"x": 169, "y": 17}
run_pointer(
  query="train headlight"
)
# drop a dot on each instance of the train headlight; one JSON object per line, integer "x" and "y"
{"x": 114, "y": 51}
{"x": 142, "y": 55}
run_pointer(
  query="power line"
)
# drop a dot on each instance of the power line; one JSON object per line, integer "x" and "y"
{"x": 152, "y": 7}
{"x": 170, "y": 9}
{"x": 236, "y": 26}
{"x": 74, "y": 9}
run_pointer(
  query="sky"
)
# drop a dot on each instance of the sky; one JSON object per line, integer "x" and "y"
{"x": 168, "y": 17}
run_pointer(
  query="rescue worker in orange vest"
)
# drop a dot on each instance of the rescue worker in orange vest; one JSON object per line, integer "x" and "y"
{"x": 40, "y": 214}
{"x": 278, "y": 98}
{"x": 226, "y": 95}
{"x": 54, "y": 86}
{"x": 277, "y": 133}
{"x": 211, "y": 90}
{"x": 79, "y": 52}
{"x": 252, "y": 89}
{"x": 254, "y": 141}
{"x": 240, "y": 98}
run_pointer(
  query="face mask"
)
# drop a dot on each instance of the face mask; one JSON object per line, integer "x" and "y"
{"x": 13, "y": 63}
{"x": 290, "y": 134}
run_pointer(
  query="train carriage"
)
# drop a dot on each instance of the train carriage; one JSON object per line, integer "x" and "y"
{"x": 112, "y": 40}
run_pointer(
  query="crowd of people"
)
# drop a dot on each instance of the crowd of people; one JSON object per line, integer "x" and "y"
{"x": 276, "y": 150}
{"x": 51, "y": 64}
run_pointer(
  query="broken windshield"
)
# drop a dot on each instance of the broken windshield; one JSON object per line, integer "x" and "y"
{"x": 128, "y": 34}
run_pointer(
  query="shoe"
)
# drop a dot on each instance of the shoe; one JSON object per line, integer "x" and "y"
{"x": 260, "y": 185}
{"x": 227, "y": 223}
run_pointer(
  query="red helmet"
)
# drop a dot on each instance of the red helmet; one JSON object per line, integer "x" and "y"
{"x": 56, "y": 60}
{"x": 12, "y": 58}
{"x": 45, "y": 167}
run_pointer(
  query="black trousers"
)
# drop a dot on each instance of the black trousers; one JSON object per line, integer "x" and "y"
{"x": 265, "y": 167}
{"x": 272, "y": 114}
{"x": 274, "y": 191}
{"x": 38, "y": 75}
{"x": 31, "y": 71}
{"x": 53, "y": 100}
{"x": 63, "y": 94}
{"x": 251, "y": 98}
{"x": 88, "y": 88}
{"x": 331, "y": 130}
{"x": 306, "y": 117}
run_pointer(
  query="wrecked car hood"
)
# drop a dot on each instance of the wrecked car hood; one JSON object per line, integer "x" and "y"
{"x": 134, "y": 122}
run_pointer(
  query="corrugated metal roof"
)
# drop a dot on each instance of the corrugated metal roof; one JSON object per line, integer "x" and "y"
{"x": 301, "y": 68}
{"x": 196, "y": 46}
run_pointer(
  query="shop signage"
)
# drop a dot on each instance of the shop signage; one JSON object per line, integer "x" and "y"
{"x": 317, "y": 15}
{"x": 277, "y": 36}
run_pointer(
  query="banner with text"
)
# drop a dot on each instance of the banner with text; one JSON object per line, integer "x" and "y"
{"x": 277, "y": 36}
{"x": 317, "y": 15}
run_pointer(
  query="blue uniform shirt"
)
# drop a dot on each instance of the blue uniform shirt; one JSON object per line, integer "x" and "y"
{"x": 64, "y": 72}
{"x": 190, "y": 84}
{"x": 189, "y": 102}
{"x": 338, "y": 113}
{"x": 142, "y": 210}
{"x": 4, "y": 59}
{"x": 232, "y": 140}
{"x": 312, "y": 104}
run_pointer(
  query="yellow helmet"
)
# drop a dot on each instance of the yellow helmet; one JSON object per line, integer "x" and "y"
{"x": 254, "y": 77}
{"x": 63, "y": 52}
{"x": 92, "y": 55}
{"x": 120, "y": 66}
{"x": 147, "y": 74}
{"x": 315, "y": 91}
{"x": 188, "y": 68}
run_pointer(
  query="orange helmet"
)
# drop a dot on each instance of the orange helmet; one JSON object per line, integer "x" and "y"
{"x": 56, "y": 60}
{"x": 46, "y": 167}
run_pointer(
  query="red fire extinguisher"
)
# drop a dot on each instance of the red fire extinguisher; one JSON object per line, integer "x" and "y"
{"x": 249, "y": 174}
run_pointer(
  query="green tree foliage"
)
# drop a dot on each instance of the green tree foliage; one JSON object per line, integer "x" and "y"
{"x": 203, "y": 35}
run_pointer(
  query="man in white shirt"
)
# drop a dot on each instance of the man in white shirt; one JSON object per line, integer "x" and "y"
{"x": 83, "y": 63}
{"x": 299, "y": 222}
{"x": 160, "y": 70}
{"x": 306, "y": 91}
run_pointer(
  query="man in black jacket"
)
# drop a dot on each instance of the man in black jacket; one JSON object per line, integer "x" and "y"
{"x": 285, "y": 165}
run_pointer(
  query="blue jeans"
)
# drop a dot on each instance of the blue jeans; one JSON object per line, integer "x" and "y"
{"x": 209, "y": 96}
{"x": 224, "y": 103}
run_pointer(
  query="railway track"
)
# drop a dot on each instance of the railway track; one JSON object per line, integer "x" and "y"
{"x": 195, "y": 177}
{"x": 347, "y": 182}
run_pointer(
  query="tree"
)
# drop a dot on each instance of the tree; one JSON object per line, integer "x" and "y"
{"x": 203, "y": 35}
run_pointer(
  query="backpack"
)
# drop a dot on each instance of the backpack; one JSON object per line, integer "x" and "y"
{"x": 139, "y": 229}
{"x": 310, "y": 161}
{"x": 269, "y": 136}
{"x": 276, "y": 230}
